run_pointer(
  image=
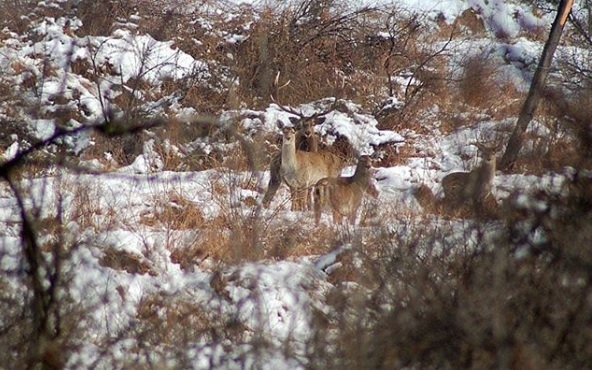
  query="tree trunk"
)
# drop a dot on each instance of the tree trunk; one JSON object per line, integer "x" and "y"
{"x": 536, "y": 87}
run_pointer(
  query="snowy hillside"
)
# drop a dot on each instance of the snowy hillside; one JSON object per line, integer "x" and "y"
{"x": 136, "y": 142}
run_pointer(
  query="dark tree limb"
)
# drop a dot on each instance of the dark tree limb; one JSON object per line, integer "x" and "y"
{"x": 536, "y": 88}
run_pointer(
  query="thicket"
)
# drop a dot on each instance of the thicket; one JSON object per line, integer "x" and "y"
{"x": 412, "y": 295}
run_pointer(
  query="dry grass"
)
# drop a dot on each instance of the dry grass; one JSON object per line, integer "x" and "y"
{"x": 87, "y": 210}
{"x": 480, "y": 93}
{"x": 560, "y": 134}
{"x": 37, "y": 165}
{"x": 454, "y": 307}
{"x": 176, "y": 212}
{"x": 241, "y": 231}
{"x": 125, "y": 261}
{"x": 169, "y": 321}
{"x": 477, "y": 85}
{"x": 410, "y": 292}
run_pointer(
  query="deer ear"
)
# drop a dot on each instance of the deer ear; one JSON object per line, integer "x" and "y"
{"x": 320, "y": 120}
{"x": 477, "y": 144}
{"x": 294, "y": 120}
{"x": 279, "y": 124}
{"x": 484, "y": 148}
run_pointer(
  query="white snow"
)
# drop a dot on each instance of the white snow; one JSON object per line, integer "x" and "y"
{"x": 276, "y": 298}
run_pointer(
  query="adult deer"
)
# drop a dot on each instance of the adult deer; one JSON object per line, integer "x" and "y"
{"x": 306, "y": 140}
{"x": 301, "y": 170}
{"x": 466, "y": 192}
{"x": 472, "y": 188}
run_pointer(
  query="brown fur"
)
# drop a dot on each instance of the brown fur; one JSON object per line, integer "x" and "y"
{"x": 306, "y": 140}
{"x": 486, "y": 209}
{"x": 300, "y": 170}
{"x": 426, "y": 199}
{"x": 344, "y": 194}
{"x": 466, "y": 194}
{"x": 471, "y": 189}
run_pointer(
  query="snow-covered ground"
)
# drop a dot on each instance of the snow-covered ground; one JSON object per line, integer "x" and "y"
{"x": 120, "y": 209}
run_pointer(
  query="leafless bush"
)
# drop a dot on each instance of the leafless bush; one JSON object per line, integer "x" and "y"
{"x": 308, "y": 43}
{"x": 561, "y": 135}
{"x": 433, "y": 298}
{"x": 10, "y": 10}
{"x": 414, "y": 69}
{"x": 98, "y": 18}
{"x": 514, "y": 292}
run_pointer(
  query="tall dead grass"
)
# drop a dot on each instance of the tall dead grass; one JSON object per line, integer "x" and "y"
{"x": 408, "y": 293}
{"x": 429, "y": 302}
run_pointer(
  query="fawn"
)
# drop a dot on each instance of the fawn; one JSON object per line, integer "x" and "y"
{"x": 344, "y": 194}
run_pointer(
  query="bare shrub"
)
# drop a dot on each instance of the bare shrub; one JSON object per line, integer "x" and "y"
{"x": 176, "y": 212}
{"x": 439, "y": 297}
{"x": 99, "y": 18}
{"x": 114, "y": 152}
{"x": 572, "y": 130}
{"x": 560, "y": 136}
{"x": 477, "y": 82}
{"x": 416, "y": 71}
{"x": 125, "y": 261}
{"x": 305, "y": 48}
{"x": 481, "y": 86}
{"x": 16, "y": 15}
{"x": 172, "y": 322}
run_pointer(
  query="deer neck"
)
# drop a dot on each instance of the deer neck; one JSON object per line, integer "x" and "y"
{"x": 360, "y": 177}
{"x": 289, "y": 154}
{"x": 313, "y": 145}
{"x": 487, "y": 170}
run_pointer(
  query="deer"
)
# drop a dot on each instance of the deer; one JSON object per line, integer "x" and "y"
{"x": 301, "y": 170}
{"x": 466, "y": 191}
{"x": 306, "y": 140}
{"x": 344, "y": 194}
{"x": 474, "y": 187}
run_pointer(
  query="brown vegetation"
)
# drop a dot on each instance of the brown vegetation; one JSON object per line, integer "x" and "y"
{"x": 408, "y": 292}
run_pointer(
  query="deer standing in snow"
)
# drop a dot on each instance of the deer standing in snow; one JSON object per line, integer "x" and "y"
{"x": 344, "y": 194}
{"x": 466, "y": 191}
{"x": 474, "y": 187}
{"x": 301, "y": 170}
{"x": 306, "y": 140}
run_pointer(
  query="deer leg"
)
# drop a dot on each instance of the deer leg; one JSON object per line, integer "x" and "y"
{"x": 336, "y": 217}
{"x": 297, "y": 199}
{"x": 275, "y": 180}
{"x": 317, "y": 193}
{"x": 352, "y": 218}
{"x": 294, "y": 198}
{"x": 309, "y": 199}
{"x": 301, "y": 202}
{"x": 304, "y": 200}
